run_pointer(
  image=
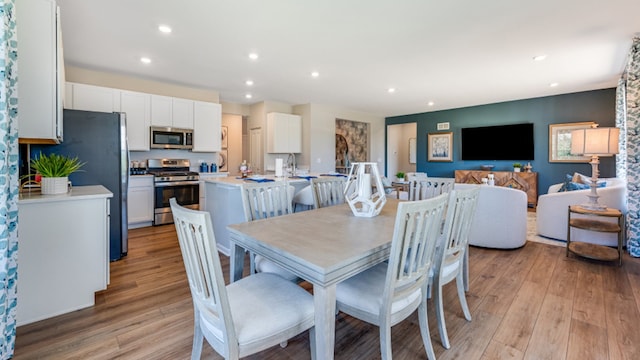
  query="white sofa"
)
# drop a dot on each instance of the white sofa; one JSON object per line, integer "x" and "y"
{"x": 501, "y": 217}
{"x": 552, "y": 211}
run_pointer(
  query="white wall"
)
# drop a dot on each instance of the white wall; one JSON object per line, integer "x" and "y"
{"x": 319, "y": 129}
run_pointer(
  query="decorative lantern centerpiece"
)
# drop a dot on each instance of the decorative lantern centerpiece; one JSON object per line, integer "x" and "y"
{"x": 364, "y": 191}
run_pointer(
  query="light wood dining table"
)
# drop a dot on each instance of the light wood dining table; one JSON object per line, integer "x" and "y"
{"x": 323, "y": 247}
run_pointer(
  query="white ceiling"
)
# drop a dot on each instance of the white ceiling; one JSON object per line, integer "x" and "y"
{"x": 455, "y": 53}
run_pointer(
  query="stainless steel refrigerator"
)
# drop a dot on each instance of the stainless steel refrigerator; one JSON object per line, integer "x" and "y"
{"x": 100, "y": 140}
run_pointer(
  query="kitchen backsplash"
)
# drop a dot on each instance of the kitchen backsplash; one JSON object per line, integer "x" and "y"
{"x": 194, "y": 158}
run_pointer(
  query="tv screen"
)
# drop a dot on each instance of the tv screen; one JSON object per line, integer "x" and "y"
{"x": 502, "y": 142}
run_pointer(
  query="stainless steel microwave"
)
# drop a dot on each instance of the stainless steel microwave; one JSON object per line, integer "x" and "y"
{"x": 171, "y": 138}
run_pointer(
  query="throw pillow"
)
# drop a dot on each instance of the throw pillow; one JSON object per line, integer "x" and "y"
{"x": 568, "y": 179}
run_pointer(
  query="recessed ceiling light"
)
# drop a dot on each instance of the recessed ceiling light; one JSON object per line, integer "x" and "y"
{"x": 145, "y": 60}
{"x": 249, "y": 82}
{"x": 248, "y": 96}
{"x": 164, "y": 29}
{"x": 431, "y": 103}
{"x": 391, "y": 90}
{"x": 253, "y": 56}
{"x": 315, "y": 74}
{"x": 554, "y": 84}
{"x": 539, "y": 57}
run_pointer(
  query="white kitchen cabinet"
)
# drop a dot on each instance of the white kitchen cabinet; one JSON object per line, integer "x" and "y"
{"x": 171, "y": 112}
{"x": 284, "y": 133}
{"x": 40, "y": 71}
{"x": 64, "y": 251}
{"x": 137, "y": 107}
{"x": 182, "y": 113}
{"x": 140, "y": 201}
{"x": 207, "y": 122}
{"x": 161, "y": 110}
{"x": 93, "y": 98}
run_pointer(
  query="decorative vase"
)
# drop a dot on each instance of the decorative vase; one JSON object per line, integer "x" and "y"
{"x": 54, "y": 185}
{"x": 364, "y": 191}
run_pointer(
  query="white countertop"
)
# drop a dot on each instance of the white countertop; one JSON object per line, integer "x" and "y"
{"x": 76, "y": 193}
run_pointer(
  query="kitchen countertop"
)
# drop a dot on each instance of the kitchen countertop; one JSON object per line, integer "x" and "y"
{"x": 234, "y": 181}
{"x": 76, "y": 193}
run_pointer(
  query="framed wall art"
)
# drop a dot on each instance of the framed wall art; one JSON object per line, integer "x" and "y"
{"x": 440, "y": 146}
{"x": 560, "y": 142}
{"x": 225, "y": 137}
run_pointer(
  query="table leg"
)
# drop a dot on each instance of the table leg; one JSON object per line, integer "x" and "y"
{"x": 236, "y": 262}
{"x": 324, "y": 299}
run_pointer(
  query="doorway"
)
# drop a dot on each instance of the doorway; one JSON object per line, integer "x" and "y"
{"x": 401, "y": 140}
{"x": 255, "y": 148}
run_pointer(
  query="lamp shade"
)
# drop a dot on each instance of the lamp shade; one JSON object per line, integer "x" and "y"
{"x": 595, "y": 141}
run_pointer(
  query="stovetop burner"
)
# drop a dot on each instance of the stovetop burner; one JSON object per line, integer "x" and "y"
{"x": 166, "y": 170}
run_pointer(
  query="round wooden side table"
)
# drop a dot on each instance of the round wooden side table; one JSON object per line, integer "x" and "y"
{"x": 592, "y": 223}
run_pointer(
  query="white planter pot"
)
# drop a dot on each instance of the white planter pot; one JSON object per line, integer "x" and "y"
{"x": 54, "y": 185}
{"x": 516, "y": 169}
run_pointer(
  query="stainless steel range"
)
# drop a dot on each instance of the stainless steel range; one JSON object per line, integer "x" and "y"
{"x": 172, "y": 178}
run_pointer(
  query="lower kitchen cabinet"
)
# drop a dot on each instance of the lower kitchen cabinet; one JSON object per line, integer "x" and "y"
{"x": 140, "y": 201}
{"x": 64, "y": 251}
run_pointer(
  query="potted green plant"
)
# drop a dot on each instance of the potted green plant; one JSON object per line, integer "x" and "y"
{"x": 516, "y": 167}
{"x": 400, "y": 176}
{"x": 55, "y": 170}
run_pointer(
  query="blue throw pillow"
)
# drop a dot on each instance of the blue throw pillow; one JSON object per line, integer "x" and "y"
{"x": 567, "y": 180}
{"x": 570, "y": 185}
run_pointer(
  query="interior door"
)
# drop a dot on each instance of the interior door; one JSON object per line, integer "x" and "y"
{"x": 256, "y": 150}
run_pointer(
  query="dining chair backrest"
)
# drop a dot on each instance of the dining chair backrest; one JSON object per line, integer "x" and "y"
{"x": 462, "y": 207}
{"x": 265, "y": 200}
{"x": 415, "y": 236}
{"x": 430, "y": 187}
{"x": 204, "y": 272}
{"x": 328, "y": 191}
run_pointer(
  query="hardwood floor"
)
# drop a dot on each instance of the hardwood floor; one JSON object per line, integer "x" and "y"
{"x": 529, "y": 303}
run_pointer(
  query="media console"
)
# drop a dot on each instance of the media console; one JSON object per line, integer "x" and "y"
{"x": 525, "y": 181}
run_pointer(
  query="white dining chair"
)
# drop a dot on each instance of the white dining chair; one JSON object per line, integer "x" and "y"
{"x": 304, "y": 197}
{"x": 434, "y": 186}
{"x": 451, "y": 254}
{"x": 328, "y": 191}
{"x": 266, "y": 200}
{"x": 391, "y": 291}
{"x": 245, "y": 317}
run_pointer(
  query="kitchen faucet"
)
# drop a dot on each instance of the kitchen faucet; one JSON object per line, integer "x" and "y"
{"x": 291, "y": 163}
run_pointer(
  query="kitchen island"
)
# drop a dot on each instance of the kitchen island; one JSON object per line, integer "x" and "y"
{"x": 63, "y": 251}
{"x": 224, "y": 203}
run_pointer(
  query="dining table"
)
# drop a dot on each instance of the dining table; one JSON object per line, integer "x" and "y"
{"x": 322, "y": 246}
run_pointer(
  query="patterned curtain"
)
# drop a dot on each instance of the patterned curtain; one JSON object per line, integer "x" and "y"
{"x": 628, "y": 119}
{"x": 8, "y": 179}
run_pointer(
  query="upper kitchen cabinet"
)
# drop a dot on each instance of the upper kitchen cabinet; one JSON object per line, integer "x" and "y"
{"x": 137, "y": 107}
{"x": 207, "y": 122}
{"x": 284, "y": 133}
{"x": 171, "y": 112}
{"x": 40, "y": 71}
{"x": 92, "y": 98}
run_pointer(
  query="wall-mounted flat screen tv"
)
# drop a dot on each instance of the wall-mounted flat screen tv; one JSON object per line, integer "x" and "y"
{"x": 501, "y": 142}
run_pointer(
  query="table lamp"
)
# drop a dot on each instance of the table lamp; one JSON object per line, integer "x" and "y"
{"x": 594, "y": 142}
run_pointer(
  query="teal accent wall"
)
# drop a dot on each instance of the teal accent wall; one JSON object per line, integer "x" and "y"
{"x": 597, "y": 106}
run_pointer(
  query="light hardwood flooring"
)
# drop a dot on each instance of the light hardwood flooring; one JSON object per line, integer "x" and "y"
{"x": 529, "y": 303}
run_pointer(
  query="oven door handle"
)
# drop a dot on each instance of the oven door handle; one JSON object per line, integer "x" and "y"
{"x": 175, "y": 183}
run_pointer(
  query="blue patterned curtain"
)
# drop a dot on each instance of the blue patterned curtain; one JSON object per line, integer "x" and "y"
{"x": 8, "y": 179}
{"x": 628, "y": 163}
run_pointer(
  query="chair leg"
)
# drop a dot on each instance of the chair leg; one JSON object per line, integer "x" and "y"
{"x": 252, "y": 263}
{"x": 462, "y": 296}
{"x": 442, "y": 326}
{"x": 424, "y": 331}
{"x": 385, "y": 341}
{"x": 198, "y": 337}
